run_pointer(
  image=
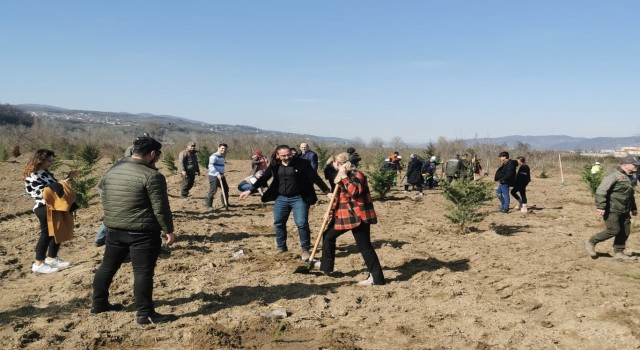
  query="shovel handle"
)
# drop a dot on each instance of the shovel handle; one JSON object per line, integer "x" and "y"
{"x": 325, "y": 222}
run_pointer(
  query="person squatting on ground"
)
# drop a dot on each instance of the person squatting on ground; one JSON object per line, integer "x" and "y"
{"x": 506, "y": 177}
{"x": 292, "y": 190}
{"x": 523, "y": 177}
{"x": 188, "y": 167}
{"x": 258, "y": 162}
{"x": 429, "y": 171}
{"x": 247, "y": 183}
{"x": 352, "y": 210}
{"x": 309, "y": 155}
{"x": 414, "y": 174}
{"x": 136, "y": 210}
{"x": 36, "y": 178}
{"x": 615, "y": 203}
{"x": 217, "y": 178}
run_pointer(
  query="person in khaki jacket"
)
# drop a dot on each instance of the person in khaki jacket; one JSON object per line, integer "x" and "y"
{"x": 188, "y": 167}
{"x": 615, "y": 203}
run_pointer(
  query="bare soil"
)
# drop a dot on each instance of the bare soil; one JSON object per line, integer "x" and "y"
{"x": 516, "y": 282}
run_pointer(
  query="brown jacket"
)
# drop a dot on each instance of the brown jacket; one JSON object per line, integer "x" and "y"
{"x": 59, "y": 215}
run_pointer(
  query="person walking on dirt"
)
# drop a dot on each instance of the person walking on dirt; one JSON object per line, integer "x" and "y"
{"x": 352, "y": 210}
{"x": 188, "y": 167}
{"x": 506, "y": 177}
{"x": 523, "y": 177}
{"x": 136, "y": 211}
{"x": 309, "y": 155}
{"x": 615, "y": 203}
{"x": 414, "y": 174}
{"x": 292, "y": 190}
{"x": 36, "y": 178}
{"x": 217, "y": 178}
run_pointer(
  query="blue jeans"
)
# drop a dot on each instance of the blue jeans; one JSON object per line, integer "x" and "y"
{"x": 503, "y": 195}
{"x": 281, "y": 210}
{"x": 101, "y": 234}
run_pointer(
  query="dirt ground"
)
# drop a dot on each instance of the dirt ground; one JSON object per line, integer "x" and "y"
{"x": 517, "y": 282}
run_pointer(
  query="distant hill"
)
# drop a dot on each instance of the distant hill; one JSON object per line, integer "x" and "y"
{"x": 178, "y": 123}
{"x": 546, "y": 142}
{"x": 562, "y": 142}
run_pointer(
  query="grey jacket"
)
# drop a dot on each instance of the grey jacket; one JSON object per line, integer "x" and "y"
{"x": 135, "y": 198}
{"x": 615, "y": 193}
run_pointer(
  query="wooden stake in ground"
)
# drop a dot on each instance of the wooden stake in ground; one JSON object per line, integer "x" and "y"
{"x": 561, "y": 174}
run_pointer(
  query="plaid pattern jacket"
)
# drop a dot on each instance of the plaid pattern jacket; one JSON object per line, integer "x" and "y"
{"x": 354, "y": 204}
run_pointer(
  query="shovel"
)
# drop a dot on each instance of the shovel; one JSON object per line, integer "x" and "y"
{"x": 224, "y": 196}
{"x": 325, "y": 222}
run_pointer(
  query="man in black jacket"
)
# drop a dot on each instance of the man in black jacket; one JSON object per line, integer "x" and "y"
{"x": 291, "y": 189}
{"x": 506, "y": 177}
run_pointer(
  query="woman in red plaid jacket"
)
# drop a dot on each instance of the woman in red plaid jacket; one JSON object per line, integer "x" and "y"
{"x": 352, "y": 210}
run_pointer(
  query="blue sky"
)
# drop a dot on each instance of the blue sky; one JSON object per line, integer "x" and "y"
{"x": 415, "y": 69}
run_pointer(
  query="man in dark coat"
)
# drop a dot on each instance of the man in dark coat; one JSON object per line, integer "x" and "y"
{"x": 292, "y": 190}
{"x": 506, "y": 177}
{"x": 414, "y": 174}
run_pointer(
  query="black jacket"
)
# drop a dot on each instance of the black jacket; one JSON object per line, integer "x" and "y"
{"x": 523, "y": 177}
{"x": 306, "y": 177}
{"x": 414, "y": 174}
{"x": 506, "y": 173}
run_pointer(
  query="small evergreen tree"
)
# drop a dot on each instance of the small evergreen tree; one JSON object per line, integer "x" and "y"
{"x": 323, "y": 155}
{"x": 381, "y": 178}
{"x": 89, "y": 155}
{"x": 169, "y": 161}
{"x": 85, "y": 161}
{"x": 465, "y": 199}
{"x": 591, "y": 180}
{"x": 203, "y": 157}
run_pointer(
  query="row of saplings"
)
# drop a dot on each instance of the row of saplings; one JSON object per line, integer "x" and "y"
{"x": 465, "y": 197}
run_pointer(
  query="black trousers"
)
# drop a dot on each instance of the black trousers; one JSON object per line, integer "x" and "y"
{"x": 362, "y": 235}
{"x": 45, "y": 242}
{"x": 144, "y": 249}
{"x": 187, "y": 183}
{"x": 523, "y": 193}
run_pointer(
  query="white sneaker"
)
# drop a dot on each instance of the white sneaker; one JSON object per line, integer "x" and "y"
{"x": 367, "y": 282}
{"x": 316, "y": 264}
{"x": 43, "y": 268}
{"x": 57, "y": 263}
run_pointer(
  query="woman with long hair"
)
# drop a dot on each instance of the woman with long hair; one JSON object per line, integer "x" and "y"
{"x": 523, "y": 177}
{"x": 36, "y": 177}
{"x": 352, "y": 210}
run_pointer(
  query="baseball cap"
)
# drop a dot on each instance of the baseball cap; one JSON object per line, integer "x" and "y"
{"x": 630, "y": 160}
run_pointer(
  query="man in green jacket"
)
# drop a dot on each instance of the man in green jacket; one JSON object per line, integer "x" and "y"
{"x": 136, "y": 210}
{"x": 615, "y": 203}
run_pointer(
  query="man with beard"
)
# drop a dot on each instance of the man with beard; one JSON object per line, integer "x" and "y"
{"x": 189, "y": 168}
